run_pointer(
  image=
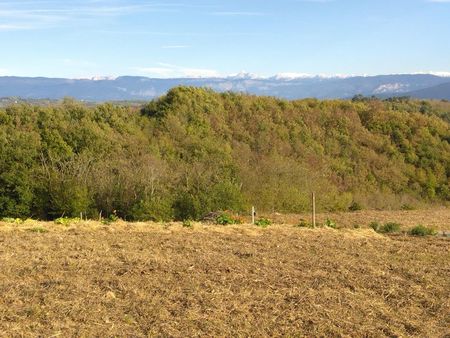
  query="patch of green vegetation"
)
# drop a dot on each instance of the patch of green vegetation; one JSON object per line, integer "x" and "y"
{"x": 375, "y": 226}
{"x": 226, "y": 219}
{"x": 263, "y": 222}
{"x": 67, "y": 221}
{"x": 112, "y": 218}
{"x": 330, "y": 223}
{"x": 12, "y": 220}
{"x": 421, "y": 230}
{"x": 389, "y": 227}
{"x": 187, "y": 223}
{"x": 37, "y": 229}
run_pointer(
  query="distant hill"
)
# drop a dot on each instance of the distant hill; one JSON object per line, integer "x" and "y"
{"x": 194, "y": 151}
{"x": 143, "y": 88}
{"x": 441, "y": 91}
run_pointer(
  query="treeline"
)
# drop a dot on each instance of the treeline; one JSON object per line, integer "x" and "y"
{"x": 194, "y": 151}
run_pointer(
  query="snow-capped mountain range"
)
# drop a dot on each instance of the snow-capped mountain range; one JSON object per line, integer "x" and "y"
{"x": 285, "y": 85}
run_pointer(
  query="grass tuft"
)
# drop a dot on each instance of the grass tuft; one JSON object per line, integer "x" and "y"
{"x": 421, "y": 230}
{"x": 39, "y": 230}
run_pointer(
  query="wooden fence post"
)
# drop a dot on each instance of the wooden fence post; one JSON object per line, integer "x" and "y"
{"x": 313, "y": 201}
{"x": 253, "y": 215}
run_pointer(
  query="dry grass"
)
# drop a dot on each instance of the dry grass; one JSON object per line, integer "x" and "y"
{"x": 165, "y": 280}
{"x": 438, "y": 218}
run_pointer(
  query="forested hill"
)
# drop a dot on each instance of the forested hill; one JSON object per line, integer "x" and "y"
{"x": 194, "y": 151}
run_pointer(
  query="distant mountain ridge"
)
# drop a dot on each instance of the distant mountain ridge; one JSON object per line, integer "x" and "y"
{"x": 441, "y": 91}
{"x": 290, "y": 87}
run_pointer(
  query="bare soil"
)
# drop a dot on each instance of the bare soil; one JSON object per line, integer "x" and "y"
{"x": 145, "y": 280}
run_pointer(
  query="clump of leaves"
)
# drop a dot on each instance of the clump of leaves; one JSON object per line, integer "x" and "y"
{"x": 225, "y": 219}
{"x": 356, "y": 226}
{"x": 66, "y": 221}
{"x": 407, "y": 206}
{"x": 421, "y": 230}
{"x": 187, "y": 223}
{"x": 263, "y": 222}
{"x": 39, "y": 230}
{"x": 330, "y": 223}
{"x": 112, "y": 218}
{"x": 355, "y": 206}
{"x": 303, "y": 224}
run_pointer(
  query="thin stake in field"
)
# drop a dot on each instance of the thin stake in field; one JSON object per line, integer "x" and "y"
{"x": 313, "y": 202}
{"x": 253, "y": 215}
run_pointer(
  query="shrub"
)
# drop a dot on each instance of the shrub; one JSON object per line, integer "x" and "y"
{"x": 225, "y": 219}
{"x": 407, "y": 206}
{"x": 421, "y": 230}
{"x": 330, "y": 223}
{"x": 187, "y": 206}
{"x": 111, "y": 218}
{"x": 389, "y": 227}
{"x": 375, "y": 226}
{"x": 152, "y": 210}
{"x": 263, "y": 222}
{"x": 355, "y": 206}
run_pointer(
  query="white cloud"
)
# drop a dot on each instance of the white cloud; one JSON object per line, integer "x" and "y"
{"x": 13, "y": 27}
{"x": 175, "y": 47}
{"x": 238, "y": 13}
{"x": 47, "y": 14}
{"x": 4, "y": 72}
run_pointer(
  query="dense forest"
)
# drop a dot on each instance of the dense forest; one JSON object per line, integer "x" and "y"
{"x": 194, "y": 150}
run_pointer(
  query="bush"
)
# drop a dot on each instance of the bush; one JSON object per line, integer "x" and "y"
{"x": 420, "y": 230}
{"x": 225, "y": 219}
{"x": 355, "y": 206}
{"x": 111, "y": 218}
{"x": 263, "y": 222}
{"x": 330, "y": 223}
{"x": 156, "y": 210}
{"x": 389, "y": 227}
{"x": 187, "y": 206}
{"x": 375, "y": 226}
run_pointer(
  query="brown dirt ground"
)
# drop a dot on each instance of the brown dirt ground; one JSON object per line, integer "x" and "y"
{"x": 437, "y": 218}
{"x": 139, "y": 280}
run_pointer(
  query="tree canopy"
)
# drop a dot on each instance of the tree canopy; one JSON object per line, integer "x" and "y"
{"x": 194, "y": 150}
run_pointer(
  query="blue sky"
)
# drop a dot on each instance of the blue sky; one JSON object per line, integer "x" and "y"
{"x": 86, "y": 38}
